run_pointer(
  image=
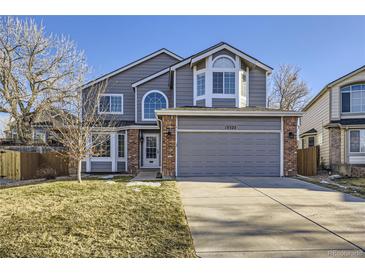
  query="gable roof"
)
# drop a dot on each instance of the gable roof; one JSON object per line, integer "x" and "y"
{"x": 200, "y": 55}
{"x": 130, "y": 65}
{"x": 338, "y": 80}
{"x": 218, "y": 47}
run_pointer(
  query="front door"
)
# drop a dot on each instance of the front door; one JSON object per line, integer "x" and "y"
{"x": 151, "y": 151}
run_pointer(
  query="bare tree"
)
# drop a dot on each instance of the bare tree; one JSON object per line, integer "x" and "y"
{"x": 37, "y": 71}
{"x": 289, "y": 91}
{"x": 79, "y": 128}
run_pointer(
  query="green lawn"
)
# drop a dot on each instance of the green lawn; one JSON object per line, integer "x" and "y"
{"x": 93, "y": 219}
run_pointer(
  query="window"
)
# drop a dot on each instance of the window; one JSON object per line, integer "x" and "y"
{"x": 224, "y": 83}
{"x": 357, "y": 141}
{"x": 310, "y": 141}
{"x": 121, "y": 146}
{"x": 200, "y": 84}
{"x": 303, "y": 143}
{"x": 153, "y": 100}
{"x": 101, "y": 144}
{"x": 111, "y": 104}
{"x": 223, "y": 62}
{"x": 39, "y": 135}
{"x": 353, "y": 98}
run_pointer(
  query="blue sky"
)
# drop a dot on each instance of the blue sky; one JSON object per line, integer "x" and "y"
{"x": 325, "y": 47}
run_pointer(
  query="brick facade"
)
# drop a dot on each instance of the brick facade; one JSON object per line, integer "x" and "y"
{"x": 133, "y": 150}
{"x": 290, "y": 146}
{"x": 335, "y": 146}
{"x": 168, "y": 145}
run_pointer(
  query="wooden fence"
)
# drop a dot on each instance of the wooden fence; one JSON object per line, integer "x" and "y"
{"x": 18, "y": 165}
{"x": 308, "y": 161}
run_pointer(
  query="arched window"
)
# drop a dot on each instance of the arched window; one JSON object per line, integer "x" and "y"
{"x": 223, "y": 62}
{"x": 224, "y": 76}
{"x": 353, "y": 98}
{"x": 152, "y": 101}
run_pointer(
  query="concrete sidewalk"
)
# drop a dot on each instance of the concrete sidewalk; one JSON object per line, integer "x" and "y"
{"x": 272, "y": 217}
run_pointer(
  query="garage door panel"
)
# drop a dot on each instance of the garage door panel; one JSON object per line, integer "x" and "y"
{"x": 224, "y": 154}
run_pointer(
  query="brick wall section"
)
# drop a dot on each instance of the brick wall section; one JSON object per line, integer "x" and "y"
{"x": 133, "y": 150}
{"x": 290, "y": 146}
{"x": 168, "y": 145}
{"x": 335, "y": 146}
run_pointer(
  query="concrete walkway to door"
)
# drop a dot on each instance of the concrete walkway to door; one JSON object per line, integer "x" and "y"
{"x": 272, "y": 217}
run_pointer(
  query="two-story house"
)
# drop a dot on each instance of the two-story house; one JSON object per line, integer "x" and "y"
{"x": 204, "y": 115}
{"x": 335, "y": 120}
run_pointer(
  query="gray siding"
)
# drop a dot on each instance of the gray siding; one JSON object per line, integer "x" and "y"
{"x": 219, "y": 123}
{"x": 122, "y": 82}
{"x": 257, "y": 89}
{"x": 200, "y": 103}
{"x": 223, "y": 102}
{"x": 228, "y": 154}
{"x": 224, "y": 52}
{"x": 120, "y": 166}
{"x": 184, "y": 86}
{"x": 160, "y": 83}
{"x": 101, "y": 166}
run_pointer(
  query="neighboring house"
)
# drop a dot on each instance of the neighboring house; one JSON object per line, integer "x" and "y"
{"x": 335, "y": 120}
{"x": 42, "y": 129}
{"x": 204, "y": 115}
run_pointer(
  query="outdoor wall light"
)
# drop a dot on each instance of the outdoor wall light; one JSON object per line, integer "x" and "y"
{"x": 291, "y": 135}
{"x": 169, "y": 131}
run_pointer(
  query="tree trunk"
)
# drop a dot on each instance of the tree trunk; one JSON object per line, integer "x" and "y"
{"x": 79, "y": 171}
{"x": 24, "y": 132}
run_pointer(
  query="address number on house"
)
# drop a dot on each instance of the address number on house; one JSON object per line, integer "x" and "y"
{"x": 230, "y": 127}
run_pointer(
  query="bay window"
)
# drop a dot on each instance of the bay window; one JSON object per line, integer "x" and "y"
{"x": 121, "y": 145}
{"x": 224, "y": 83}
{"x": 353, "y": 98}
{"x": 101, "y": 145}
{"x": 357, "y": 140}
{"x": 200, "y": 84}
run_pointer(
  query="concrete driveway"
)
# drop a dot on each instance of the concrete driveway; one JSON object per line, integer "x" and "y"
{"x": 272, "y": 217}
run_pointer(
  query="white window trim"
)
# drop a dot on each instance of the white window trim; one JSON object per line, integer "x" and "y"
{"x": 351, "y": 92}
{"x": 125, "y": 147}
{"x": 103, "y": 159}
{"x": 112, "y": 112}
{"x": 197, "y": 74}
{"x": 349, "y": 141}
{"x": 144, "y": 97}
{"x": 208, "y": 70}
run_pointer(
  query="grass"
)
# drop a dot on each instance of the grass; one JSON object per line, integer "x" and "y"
{"x": 353, "y": 186}
{"x": 93, "y": 219}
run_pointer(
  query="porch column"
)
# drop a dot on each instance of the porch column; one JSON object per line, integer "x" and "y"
{"x": 133, "y": 150}
{"x": 168, "y": 133}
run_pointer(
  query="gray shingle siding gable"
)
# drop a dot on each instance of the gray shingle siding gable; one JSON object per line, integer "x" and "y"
{"x": 257, "y": 89}
{"x": 160, "y": 83}
{"x": 184, "y": 86}
{"x": 122, "y": 83}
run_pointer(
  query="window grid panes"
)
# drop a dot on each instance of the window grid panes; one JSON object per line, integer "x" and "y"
{"x": 121, "y": 146}
{"x": 110, "y": 104}
{"x": 152, "y": 102}
{"x": 357, "y": 95}
{"x": 229, "y": 83}
{"x": 151, "y": 148}
{"x": 223, "y": 62}
{"x": 357, "y": 141}
{"x": 200, "y": 83}
{"x": 224, "y": 82}
{"x": 101, "y": 145}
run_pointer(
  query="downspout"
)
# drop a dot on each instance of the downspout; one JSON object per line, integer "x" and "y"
{"x": 159, "y": 121}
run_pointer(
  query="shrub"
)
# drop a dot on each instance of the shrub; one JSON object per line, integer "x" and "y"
{"x": 47, "y": 173}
